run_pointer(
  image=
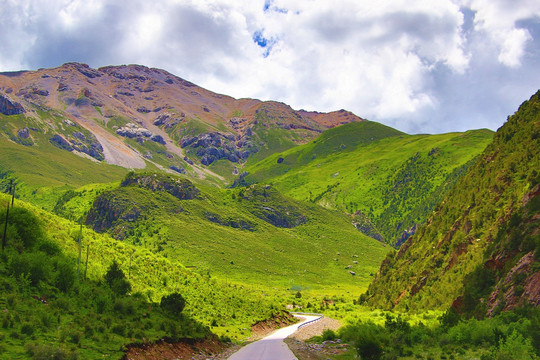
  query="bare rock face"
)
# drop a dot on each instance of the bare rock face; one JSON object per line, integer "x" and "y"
{"x": 215, "y": 146}
{"x": 133, "y": 131}
{"x": 79, "y": 142}
{"x": 8, "y": 107}
{"x": 512, "y": 293}
{"x": 181, "y": 189}
{"x": 269, "y": 205}
{"x": 23, "y": 133}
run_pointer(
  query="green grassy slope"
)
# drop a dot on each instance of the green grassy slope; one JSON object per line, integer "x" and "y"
{"x": 254, "y": 235}
{"x": 393, "y": 178}
{"x": 43, "y": 171}
{"x": 469, "y": 250}
{"x": 228, "y": 308}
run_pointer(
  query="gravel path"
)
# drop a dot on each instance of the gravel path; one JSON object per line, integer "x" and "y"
{"x": 316, "y": 328}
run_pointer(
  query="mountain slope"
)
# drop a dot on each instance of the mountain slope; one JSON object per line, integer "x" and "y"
{"x": 249, "y": 235}
{"x": 46, "y": 302}
{"x": 375, "y": 172}
{"x": 480, "y": 248}
{"x": 133, "y": 116}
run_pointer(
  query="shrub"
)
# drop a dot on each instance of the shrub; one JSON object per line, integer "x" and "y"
{"x": 42, "y": 352}
{"x": 329, "y": 334}
{"x": 116, "y": 279}
{"x": 449, "y": 318}
{"x": 368, "y": 339}
{"x": 101, "y": 303}
{"x": 35, "y": 265}
{"x": 65, "y": 278}
{"x": 173, "y": 303}
{"x": 27, "y": 329}
{"x": 118, "y": 330}
{"x": 515, "y": 347}
{"x": 26, "y": 230}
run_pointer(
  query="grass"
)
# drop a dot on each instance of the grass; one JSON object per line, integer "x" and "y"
{"x": 387, "y": 175}
{"x": 43, "y": 172}
{"x": 305, "y": 256}
{"x": 232, "y": 305}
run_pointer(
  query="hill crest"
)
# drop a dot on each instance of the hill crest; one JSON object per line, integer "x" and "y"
{"x": 147, "y": 106}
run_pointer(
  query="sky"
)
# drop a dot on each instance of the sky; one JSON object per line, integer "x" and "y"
{"x": 421, "y": 66}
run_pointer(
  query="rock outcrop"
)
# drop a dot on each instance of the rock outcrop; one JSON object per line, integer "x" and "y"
{"x": 9, "y": 107}
{"x": 269, "y": 205}
{"x": 215, "y": 146}
{"x": 180, "y": 188}
{"x": 230, "y": 222}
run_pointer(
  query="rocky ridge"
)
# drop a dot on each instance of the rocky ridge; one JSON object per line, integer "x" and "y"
{"x": 117, "y": 104}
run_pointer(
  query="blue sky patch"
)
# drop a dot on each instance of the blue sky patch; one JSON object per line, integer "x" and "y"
{"x": 263, "y": 42}
{"x": 269, "y": 6}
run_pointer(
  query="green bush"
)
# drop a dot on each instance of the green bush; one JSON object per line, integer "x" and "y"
{"x": 449, "y": 318}
{"x": 515, "y": 347}
{"x": 49, "y": 352}
{"x": 173, "y": 303}
{"x": 35, "y": 265}
{"x": 329, "y": 335}
{"x": 101, "y": 303}
{"x": 65, "y": 276}
{"x": 368, "y": 339}
{"x": 25, "y": 228}
{"x": 116, "y": 279}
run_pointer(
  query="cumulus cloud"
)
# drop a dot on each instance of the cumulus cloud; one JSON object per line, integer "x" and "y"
{"x": 413, "y": 64}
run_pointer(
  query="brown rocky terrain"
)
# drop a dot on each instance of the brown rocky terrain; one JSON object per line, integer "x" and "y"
{"x": 119, "y": 104}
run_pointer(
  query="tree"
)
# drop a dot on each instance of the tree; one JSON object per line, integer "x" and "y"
{"x": 173, "y": 303}
{"x": 116, "y": 279}
{"x": 24, "y": 228}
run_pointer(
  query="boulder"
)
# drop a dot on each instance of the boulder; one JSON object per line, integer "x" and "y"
{"x": 9, "y": 107}
{"x": 23, "y": 133}
{"x": 177, "y": 169}
{"x": 160, "y": 120}
{"x": 159, "y": 139}
{"x": 58, "y": 141}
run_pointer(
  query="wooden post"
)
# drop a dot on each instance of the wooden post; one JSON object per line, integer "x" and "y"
{"x": 129, "y": 269}
{"x": 79, "y": 258}
{"x": 7, "y": 217}
{"x": 12, "y": 193}
{"x": 86, "y": 266}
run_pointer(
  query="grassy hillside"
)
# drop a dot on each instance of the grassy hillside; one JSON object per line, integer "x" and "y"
{"x": 42, "y": 171}
{"x": 249, "y": 235}
{"x": 229, "y": 309}
{"x": 479, "y": 250}
{"x": 392, "y": 178}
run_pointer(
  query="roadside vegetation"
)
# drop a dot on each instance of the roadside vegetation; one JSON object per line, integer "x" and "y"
{"x": 514, "y": 335}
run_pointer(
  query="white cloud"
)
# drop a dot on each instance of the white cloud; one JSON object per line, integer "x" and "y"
{"x": 386, "y": 60}
{"x": 498, "y": 20}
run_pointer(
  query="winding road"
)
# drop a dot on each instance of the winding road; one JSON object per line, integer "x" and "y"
{"x": 272, "y": 347}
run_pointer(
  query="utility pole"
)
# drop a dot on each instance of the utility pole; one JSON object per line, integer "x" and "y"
{"x": 7, "y": 214}
{"x": 129, "y": 269}
{"x": 79, "y": 259}
{"x": 86, "y": 267}
{"x": 12, "y": 193}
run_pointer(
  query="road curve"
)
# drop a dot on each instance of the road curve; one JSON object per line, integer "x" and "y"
{"x": 271, "y": 347}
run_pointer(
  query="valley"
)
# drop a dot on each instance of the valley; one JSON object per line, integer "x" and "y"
{"x": 236, "y": 210}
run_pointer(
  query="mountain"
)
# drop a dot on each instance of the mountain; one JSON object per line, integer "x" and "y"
{"x": 138, "y": 117}
{"x": 478, "y": 251}
{"x": 388, "y": 181}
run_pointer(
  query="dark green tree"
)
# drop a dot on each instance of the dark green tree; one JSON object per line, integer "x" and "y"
{"x": 116, "y": 279}
{"x": 24, "y": 228}
{"x": 173, "y": 303}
